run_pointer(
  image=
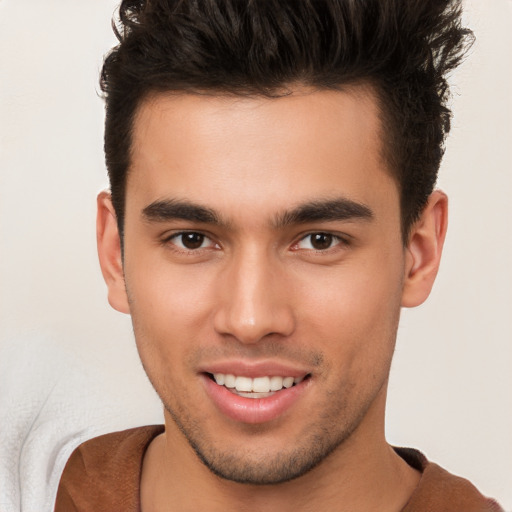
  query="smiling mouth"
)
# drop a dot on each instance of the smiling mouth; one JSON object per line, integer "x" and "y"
{"x": 258, "y": 387}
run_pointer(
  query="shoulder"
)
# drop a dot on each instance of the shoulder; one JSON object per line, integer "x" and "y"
{"x": 442, "y": 491}
{"x": 104, "y": 473}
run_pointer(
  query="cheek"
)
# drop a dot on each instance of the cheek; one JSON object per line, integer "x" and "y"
{"x": 170, "y": 314}
{"x": 167, "y": 296}
{"x": 354, "y": 312}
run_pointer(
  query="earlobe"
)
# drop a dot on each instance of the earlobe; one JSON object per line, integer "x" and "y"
{"x": 423, "y": 253}
{"x": 109, "y": 252}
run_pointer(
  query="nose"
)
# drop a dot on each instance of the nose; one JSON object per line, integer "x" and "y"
{"x": 253, "y": 299}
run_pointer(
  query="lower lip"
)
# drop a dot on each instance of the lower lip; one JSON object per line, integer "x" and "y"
{"x": 253, "y": 410}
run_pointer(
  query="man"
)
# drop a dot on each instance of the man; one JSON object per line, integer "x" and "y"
{"x": 272, "y": 207}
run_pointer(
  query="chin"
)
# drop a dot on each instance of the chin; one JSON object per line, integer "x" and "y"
{"x": 260, "y": 465}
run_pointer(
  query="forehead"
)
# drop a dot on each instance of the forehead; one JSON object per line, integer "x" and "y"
{"x": 256, "y": 152}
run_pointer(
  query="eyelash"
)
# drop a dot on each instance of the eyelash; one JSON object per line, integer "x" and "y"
{"x": 336, "y": 242}
{"x": 168, "y": 241}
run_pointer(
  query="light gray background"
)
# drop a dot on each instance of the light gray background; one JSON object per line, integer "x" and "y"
{"x": 451, "y": 386}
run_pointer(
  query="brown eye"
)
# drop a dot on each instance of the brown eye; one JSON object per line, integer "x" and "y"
{"x": 321, "y": 241}
{"x": 192, "y": 240}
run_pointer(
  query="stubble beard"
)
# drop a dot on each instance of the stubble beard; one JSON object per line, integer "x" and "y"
{"x": 320, "y": 440}
{"x": 340, "y": 414}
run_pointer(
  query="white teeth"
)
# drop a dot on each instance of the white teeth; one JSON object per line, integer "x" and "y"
{"x": 219, "y": 378}
{"x": 261, "y": 384}
{"x": 258, "y": 387}
{"x": 229, "y": 380}
{"x": 243, "y": 384}
{"x": 276, "y": 383}
{"x": 288, "y": 382}
{"x": 252, "y": 394}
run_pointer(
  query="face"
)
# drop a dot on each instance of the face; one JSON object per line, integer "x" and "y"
{"x": 264, "y": 273}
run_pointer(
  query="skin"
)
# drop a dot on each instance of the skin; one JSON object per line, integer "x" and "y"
{"x": 260, "y": 290}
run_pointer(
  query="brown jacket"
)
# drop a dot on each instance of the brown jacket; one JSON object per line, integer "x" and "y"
{"x": 103, "y": 475}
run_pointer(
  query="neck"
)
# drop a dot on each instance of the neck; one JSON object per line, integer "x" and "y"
{"x": 362, "y": 474}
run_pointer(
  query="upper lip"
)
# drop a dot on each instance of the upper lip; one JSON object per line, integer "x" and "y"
{"x": 254, "y": 369}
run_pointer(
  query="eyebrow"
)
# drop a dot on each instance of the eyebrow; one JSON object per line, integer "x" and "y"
{"x": 172, "y": 209}
{"x": 339, "y": 209}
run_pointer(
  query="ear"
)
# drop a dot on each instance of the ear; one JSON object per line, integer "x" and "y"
{"x": 423, "y": 253}
{"x": 109, "y": 252}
